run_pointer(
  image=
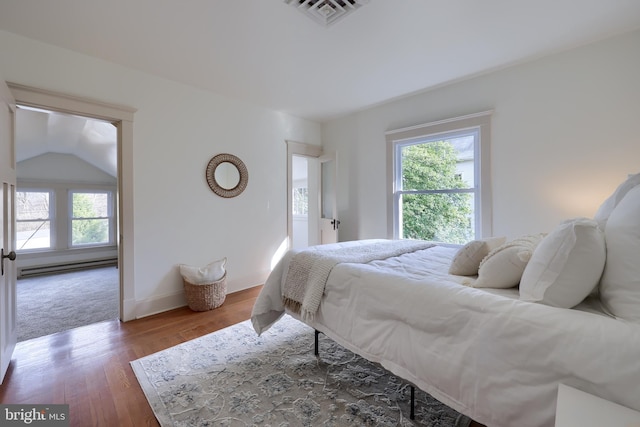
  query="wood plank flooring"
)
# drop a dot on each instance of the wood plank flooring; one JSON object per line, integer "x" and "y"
{"x": 88, "y": 367}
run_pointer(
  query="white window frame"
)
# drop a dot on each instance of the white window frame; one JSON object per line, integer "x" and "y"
{"x": 482, "y": 159}
{"x": 52, "y": 217}
{"x": 61, "y": 212}
{"x": 109, "y": 217}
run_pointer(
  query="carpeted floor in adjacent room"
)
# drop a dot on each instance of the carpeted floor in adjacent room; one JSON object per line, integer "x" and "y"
{"x": 54, "y": 303}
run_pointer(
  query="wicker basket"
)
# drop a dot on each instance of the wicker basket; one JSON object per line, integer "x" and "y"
{"x": 206, "y": 296}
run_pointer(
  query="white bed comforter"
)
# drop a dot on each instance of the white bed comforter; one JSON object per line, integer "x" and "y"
{"x": 483, "y": 352}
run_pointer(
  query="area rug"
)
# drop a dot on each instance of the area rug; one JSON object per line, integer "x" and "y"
{"x": 232, "y": 377}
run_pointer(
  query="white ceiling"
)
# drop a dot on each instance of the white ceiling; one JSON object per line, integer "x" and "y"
{"x": 269, "y": 54}
{"x": 39, "y": 132}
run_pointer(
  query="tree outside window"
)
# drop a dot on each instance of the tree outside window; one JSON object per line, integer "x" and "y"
{"x": 440, "y": 179}
{"x": 90, "y": 218}
{"x": 435, "y": 200}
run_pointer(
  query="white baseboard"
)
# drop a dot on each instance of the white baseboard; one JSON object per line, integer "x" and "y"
{"x": 128, "y": 310}
{"x": 151, "y": 306}
{"x": 136, "y": 309}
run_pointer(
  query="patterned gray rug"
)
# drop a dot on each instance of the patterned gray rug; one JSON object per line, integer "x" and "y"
{"x": 235, "y": 378}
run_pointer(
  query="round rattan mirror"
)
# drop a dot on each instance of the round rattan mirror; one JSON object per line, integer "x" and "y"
{"x": 227, "y": 175}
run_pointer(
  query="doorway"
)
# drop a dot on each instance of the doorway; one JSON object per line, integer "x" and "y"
{"x": 311, "y": 196}
{"x": 304, "y": 205}
{"x": 122, "y": 118}
{"x": 302, "y": 190}
{"x": 66, "y": 221}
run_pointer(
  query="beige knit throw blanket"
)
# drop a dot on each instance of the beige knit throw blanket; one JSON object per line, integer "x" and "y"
{"x": 309, "y": 270}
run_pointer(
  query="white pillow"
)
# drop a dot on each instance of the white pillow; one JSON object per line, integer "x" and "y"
{"x": 467, "y": 260}
{"x": 210, "y": 273}
{"x": 566, "y": 266}
{"x": 604, "y": 211}
{"x": 620, "y": 283}
{"x": 503, "y": 266}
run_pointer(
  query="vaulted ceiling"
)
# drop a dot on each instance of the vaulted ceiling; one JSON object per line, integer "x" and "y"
{"x": 41, "y": 132}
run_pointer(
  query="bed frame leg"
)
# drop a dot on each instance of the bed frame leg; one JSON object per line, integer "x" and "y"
{"x": 412, "y": 414}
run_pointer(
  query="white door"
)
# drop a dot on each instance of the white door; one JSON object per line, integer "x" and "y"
{"x": 305, "y": 176}
{"x": 329, "y": 222}
{"x": 8, "y": 333}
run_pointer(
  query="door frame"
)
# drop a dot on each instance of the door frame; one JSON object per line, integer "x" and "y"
{"x": 122, "y": 118}
{"x": 296, "y": 149}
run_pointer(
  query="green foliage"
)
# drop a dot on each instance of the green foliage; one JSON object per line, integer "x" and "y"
{"x": 443, "y": 216}
{"x": 87, "y": 230}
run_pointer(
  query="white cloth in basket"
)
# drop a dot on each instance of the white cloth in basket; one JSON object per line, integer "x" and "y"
{"x": 210, "y": 273}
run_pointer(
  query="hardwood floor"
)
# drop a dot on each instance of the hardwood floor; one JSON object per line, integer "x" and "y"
{"x": 88, "y": 367}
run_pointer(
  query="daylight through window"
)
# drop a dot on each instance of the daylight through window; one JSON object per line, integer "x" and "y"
{"x": 90, "y": 219}
{"x": 436, "y": 192}
{"x": 439, "y": 180}
{"x": 33, "y": 220}
{"x": 301, "y": 201}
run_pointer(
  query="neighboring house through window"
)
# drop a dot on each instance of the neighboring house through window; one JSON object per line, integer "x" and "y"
{"x": 439, "y": 180}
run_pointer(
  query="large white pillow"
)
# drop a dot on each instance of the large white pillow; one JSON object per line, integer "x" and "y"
{"x": 604, "y": 211}
{"x": 210, "y": 273}
{"x": 620, "y": 283}
{"x": 503, "y": 266}
{"x": 566, "y": 266}
{"x": 467, "y": 260}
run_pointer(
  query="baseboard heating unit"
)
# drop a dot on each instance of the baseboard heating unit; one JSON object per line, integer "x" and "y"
{"x": 65, "y": 267}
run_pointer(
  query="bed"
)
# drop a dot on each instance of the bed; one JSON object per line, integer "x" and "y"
{"x": 485, "y": 352}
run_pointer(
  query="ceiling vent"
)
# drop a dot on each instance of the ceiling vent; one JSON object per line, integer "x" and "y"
{"x": 326, "y": 12}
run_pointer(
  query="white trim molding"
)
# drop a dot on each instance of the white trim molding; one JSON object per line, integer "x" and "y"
{"x": 480, "y": 120}
{"x": 122, "y": 118}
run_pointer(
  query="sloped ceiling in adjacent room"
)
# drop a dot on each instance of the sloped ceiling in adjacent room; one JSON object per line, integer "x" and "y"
{"x": 41, "y": 132}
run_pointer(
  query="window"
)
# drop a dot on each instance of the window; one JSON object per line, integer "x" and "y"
{"x": 45, "y": 215}
{"x": 91, "y": 218}
{"x": 33, "y": 219}
{"x": 434, "y": 202}
{"x": 301, "y": 201}
{"x": 436, "y": 172}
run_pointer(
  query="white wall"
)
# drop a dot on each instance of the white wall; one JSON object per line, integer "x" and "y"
{"x": 177, "y": 129}
{"x": 61, "y": 168}
{"x": 565, "y": 134}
